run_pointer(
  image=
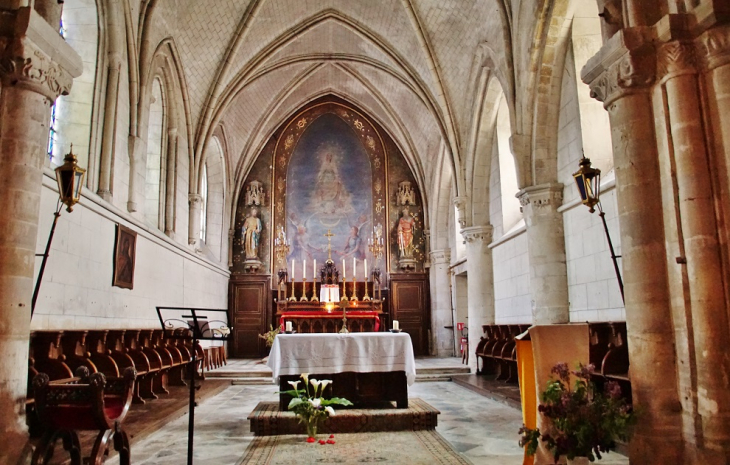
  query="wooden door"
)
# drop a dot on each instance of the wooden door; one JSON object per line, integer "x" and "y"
{"x": 409, "y": 305}
{"x": 249, "y": 306}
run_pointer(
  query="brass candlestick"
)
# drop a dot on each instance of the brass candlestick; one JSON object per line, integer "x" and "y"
{"x": 343, "y": 306}
{"x": 303, "y": 298}
{"x": 353, "y": 297}
{"x": 292, "y": 298}
{"x": 366, "y": 297}
{"x": 314, "y": 290}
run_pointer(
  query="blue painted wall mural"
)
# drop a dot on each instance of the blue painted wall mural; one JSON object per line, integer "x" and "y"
{"x": 329, "y": 188}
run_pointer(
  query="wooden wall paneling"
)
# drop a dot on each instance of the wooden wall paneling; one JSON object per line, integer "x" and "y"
{"x": 250, "y": 310}
{"x": 409, "y": 305}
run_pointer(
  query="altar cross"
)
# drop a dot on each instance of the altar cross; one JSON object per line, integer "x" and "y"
{"x": 329, "y": 236}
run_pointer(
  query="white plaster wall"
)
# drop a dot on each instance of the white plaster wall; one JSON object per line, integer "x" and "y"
{"x": 592, "y": 285}
{"x": 76, "y": 291}
{"x": 512, "y": 300}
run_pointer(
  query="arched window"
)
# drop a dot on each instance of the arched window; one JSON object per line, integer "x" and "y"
{"x": 154, "y": 179}
{"x": 70, "y": 120}
{"x": 511, "y": 214}
{"x": 204, "y": 202}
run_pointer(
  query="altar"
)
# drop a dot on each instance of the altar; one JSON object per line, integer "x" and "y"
{"x": 365, "y": 368}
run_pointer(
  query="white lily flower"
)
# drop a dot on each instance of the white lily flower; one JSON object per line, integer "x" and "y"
{"x": 315, "y": 384}
{"x": 305, "y": 377}
{"x": 324, "y": 383}
{"x": 315, "y": 402}
{"x": 294, "y": 384}
{"x": 330, "y": 411}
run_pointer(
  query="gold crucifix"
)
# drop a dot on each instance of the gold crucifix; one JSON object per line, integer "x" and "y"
{"x": 329, "y": 236}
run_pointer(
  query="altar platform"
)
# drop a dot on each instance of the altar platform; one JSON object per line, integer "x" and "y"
{"x": 364, "y": 367}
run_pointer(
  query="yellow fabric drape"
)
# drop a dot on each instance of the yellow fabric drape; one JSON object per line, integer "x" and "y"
{"x": 528, "y": 394}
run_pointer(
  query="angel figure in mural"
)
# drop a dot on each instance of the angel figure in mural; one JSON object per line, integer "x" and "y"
{"x": 251, "y": 233}
{"x": 406, "y": 228}
{"x": 355, "y": 246}
{"x": 301, "y": 249}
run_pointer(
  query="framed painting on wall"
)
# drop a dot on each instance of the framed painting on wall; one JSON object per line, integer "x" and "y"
{"x": 124, "y": 257}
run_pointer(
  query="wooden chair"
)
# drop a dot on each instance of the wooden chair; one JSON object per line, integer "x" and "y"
{"x": 90, "y": 403}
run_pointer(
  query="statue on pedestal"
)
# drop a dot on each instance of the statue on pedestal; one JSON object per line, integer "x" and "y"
{"x": 250, "y": 237}
{"x": 405, "y": 231}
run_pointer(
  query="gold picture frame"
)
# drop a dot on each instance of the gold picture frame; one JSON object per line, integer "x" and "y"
{"x": 125, "y": 252}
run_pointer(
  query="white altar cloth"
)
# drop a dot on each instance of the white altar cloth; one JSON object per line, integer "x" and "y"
{"x": 326, "y": 353}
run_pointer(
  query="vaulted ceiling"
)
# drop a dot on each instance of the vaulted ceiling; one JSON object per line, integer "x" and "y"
{"x": 409, "y": 63}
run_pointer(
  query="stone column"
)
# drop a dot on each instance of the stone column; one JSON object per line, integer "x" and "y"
{"x": 678, "y": 71}
{"x": 31, "y": 81}
{"x": 443, "y": 345}
{"x": 195, "y": 201}
{"x": 621, "y": 76}
{"x": 480, "y": 279}
{"x": 109, "y": 130}
{"x": 546, "y": 251}
{"x": 171, "y": 182}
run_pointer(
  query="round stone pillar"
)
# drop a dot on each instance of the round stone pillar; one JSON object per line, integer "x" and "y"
{"x": 31, "y": 80}
{"x": 695, "y": 200}
{"x": 196, "y": 203}
{"x": 443, "y": 344}
{"x": 546, "y": 252}
{"x": 480, "y": 285}
{"x": 624, "y": 87}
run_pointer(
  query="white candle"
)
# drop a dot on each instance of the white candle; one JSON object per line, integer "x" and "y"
{"x": 343, "y": 269}
{"x": 292, "y": 269}
{"x": 304, "y": 269}
{"x": 288, "y": 326}
{"x": 314, "y": 270}
{"x": 395, "y": 324}
{"x": 354, "y": 269}
{"x": 366, "y": 270}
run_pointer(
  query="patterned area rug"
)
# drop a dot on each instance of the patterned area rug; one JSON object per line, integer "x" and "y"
{"x": 267, "y": 420}
{"x": 412, "y": 447}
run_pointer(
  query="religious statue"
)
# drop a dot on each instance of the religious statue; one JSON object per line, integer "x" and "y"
{"x": 254, "y": 193}
{"x": 405, "y": 195}
{"x": 406, "y": 228}
{"x": 251, "y": 233}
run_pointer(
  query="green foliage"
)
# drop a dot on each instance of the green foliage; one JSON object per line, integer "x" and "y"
{"x": 308, "y": 403}
{"x": 270, "y": 335}
{"x": 582, "y": 421}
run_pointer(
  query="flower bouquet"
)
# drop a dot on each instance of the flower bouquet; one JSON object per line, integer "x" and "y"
{"x": 309, "y": 405}
{"x": 583, "y": 421}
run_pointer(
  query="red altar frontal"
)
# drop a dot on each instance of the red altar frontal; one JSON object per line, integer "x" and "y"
{"x": 316, "y": 317}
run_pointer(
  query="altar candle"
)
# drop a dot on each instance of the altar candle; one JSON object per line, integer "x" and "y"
{"x": 292, "y": 269}
{"x": 304, "y": 269}
{"x": 395, "y": 324}
{"x": 314, "y": 270}
{"x": 288, "y": 326}
{"x": 343, "y": 269}
{"x": 354, "y": 269}
{"x": 366, "y": 270}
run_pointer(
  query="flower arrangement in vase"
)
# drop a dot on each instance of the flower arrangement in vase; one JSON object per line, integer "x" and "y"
{"x": 309, "y": 405}
{"x": 582, "y": 421}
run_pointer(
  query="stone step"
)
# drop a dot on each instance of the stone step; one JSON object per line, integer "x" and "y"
{"x": 251, "y": 381}
{"x": 442, "y": 370}
{"x": 238, "y": 374}
{"x": 433, "y": 378}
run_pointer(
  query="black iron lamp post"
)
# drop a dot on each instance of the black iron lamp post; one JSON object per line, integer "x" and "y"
{"x": 70, "y": 178}
{"x": 588, "y": 180}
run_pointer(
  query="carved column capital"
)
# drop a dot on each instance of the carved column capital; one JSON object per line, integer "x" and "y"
{"x": 625, "y": 64}
{"x": 194, "y": 200}
{"x": 676, "y": 58}
{"x": 440, "y": 257}
{"x": 478, "y": 234}
{"x": 34, "y": 56}
{"x": 460, "y": 204}
{"x": 542, "y": 196}
{"x": 714, "y": 45}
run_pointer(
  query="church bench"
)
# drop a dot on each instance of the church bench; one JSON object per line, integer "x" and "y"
{"x": 148, "y": 360}
{"x": 88, "y": 402}
{"x": 497, "y": 351}
{"x": 609, "y": 353}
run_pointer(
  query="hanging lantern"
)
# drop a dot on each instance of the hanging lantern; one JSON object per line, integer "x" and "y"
{"x": 588, "y": 180}
{"x": 70, "y": 178}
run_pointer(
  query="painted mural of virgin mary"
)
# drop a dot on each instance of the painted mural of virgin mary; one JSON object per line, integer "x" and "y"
{"x": 331, "y": 197}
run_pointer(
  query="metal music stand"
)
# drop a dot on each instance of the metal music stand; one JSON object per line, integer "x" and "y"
{"x": 196, "y": 324}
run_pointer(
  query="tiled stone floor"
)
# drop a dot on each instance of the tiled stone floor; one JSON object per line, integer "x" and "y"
{"x": 483, "y": 430}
